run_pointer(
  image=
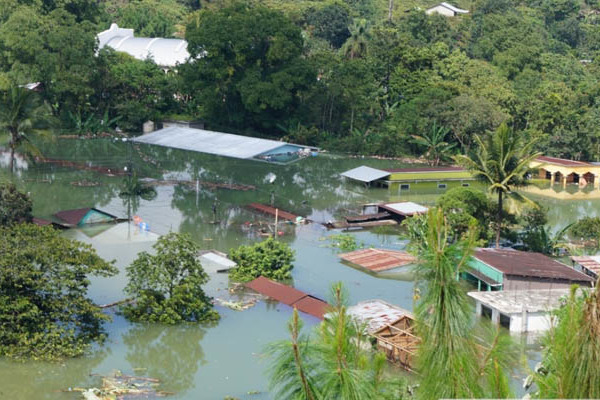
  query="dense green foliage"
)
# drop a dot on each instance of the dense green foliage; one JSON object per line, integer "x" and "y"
{"x": 501, "y": 162}
{"x": 44, "y": 277}
{"x": 587, "y": 228}
{"x": 15, "y": 206}
{"x": 167, "y": 287}
{"x": 569, "y": 369}
{"x": 269, "y": 258}
{"x": 454, "y": 360}
{"x": 332, "y": 363}
{"x": 464, "y": 206}
{"x": 355, "y": 76}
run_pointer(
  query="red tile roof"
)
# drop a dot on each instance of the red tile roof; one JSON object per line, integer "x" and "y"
{"x": 377, "y": 260}
{"x": 289, "y": 296}
{"x": 562, "y": 161}
{"x": 528, "y": 264}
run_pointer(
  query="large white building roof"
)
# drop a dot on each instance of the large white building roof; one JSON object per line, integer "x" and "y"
{"x": 164, "y": 52}
{"x": 515, "y": 301}
{"x": 365, "y": 174}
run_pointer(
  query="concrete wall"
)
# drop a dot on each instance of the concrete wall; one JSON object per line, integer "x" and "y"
{"x": 520, "y": 322}
{"x": 512, "y": 282}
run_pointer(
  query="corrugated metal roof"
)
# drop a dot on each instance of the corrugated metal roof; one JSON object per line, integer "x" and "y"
{"x": 214, "y": 261}
{"x": 427, "y": 169}
{"x": 217, "y": 143}
{"x": 592, "y": 263}
{"x": 289, "y": 296}
{"x": 454, "y": 8}
{"x": 377, "y": 260}
{"x": 164, "y": 52}
{"x": 365, "y": 174}
{"x": 376, "y": 313}
{"x": 562, "y": 161}
{"x": 528, "y": 264}
{"x": 405, "y": 208}
{"x": 73, "y": 217}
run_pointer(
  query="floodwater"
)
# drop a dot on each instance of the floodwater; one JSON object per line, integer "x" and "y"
{"x": 199, "y": 362}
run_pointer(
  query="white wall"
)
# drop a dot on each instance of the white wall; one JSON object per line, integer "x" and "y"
{"x": 536, "y": 322}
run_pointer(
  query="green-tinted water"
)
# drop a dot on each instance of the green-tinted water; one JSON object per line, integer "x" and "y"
{"x": 206, "y": 362}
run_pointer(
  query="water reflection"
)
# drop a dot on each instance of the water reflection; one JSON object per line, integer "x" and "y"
{"x": 172, "y": 354}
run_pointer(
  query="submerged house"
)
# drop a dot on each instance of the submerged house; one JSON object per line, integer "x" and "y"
{"x": 563, "y": 171}
{"x": 508, "y": 269}
{"x": 85, "y": 216}
{"x": 404, "y": 177}
{"x": 520, "y": 310}
{"x": 589, "y": 265}
{"x": 378, "y": 260}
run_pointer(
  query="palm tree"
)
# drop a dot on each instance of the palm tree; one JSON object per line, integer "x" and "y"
{"x": 332, "y": 363}
{"x": 437, "y": 148}
{"x": 502, "y": 161}
{"x": 22, "y": 114}
{"x": 356, "y": 44}
{"x": 452, "y": 360}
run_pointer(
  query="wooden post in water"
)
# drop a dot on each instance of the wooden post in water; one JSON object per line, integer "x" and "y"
{"x": 276, "y": 218}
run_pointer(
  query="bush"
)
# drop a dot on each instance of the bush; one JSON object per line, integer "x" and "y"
{"x": 270, "y": 258}
{"x": 587, "y": 228}
{"x": 15, "y": 206}
{"x": 167, "y": 287}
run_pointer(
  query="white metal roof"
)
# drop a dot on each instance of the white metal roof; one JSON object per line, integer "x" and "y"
{"x": 407, "y": 208}
{"x": 450, "y": 7}
{"x": 214, "y": 261}
{"x": 515, "y": 301}
{"x": 217, "y": 143}
{"x": 376, "y": 313}
{"x": 164, "y": 52}
{"x": 365, "y": 174}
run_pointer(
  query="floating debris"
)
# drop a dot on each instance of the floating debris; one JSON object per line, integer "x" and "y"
{"x": 85, "y": 183}
{"x": 237, "y": 305}
{"x": 119, "y": 387}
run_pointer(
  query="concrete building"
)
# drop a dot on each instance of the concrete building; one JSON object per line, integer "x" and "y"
{"x": 166, "y": 53}
{"x": 445, "y": 9}
{"x": 521, "y": 310}
{"x": 561, "y": 171}
{"x": 508, "y": 269}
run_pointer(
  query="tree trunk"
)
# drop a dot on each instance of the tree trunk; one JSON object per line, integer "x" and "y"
{"x": 499, "y": 219}
{"x": 12, "y": 157}
{"x": 390, "y": 8}
{"x": 351, "y": 120}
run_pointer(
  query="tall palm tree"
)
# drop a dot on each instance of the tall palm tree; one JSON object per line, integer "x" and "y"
{"x": 356, "y": 45}
{"x": 502, "y": 161}
{"x": 22, "y": 115}
{"x": 453, "y": 361}
{"x": 435, "y": 142}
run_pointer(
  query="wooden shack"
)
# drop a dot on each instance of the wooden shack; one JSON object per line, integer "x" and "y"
{"x": 398, "y": 341}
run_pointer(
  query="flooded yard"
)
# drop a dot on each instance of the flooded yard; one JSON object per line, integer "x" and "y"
{"x": 193, "y": 361}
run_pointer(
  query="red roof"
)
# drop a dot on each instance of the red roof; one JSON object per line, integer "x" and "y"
{"x": 562, "y": 161}
{"x": 428, "y": 169}
{"x": 290, "y": 296}
{"x": 41, "y": 221}
{"x": 528, "y": 264}
{"x": 73, "y": 217}
{"x": 272, "y": 211}
{"x": 588, "y": 262}
{"x": 377, "y": 260}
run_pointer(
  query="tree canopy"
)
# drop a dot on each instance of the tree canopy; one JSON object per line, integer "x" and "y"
{"x": 269, "y": 258}
{"x": 44, "y": 309}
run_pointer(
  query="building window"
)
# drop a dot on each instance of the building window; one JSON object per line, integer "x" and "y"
{"x": 486, "y": 312}
{"x": 442, "y": 186}
{"x": 465, "y": 185}
{"x": 505, "y": 321}
{"x": 404, "y": 186}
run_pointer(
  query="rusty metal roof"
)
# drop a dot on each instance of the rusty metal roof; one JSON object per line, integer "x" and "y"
{"x": 41, "y": 221}
{"x": 429, "y": 169}
{"x": 591, "y": 263}
{"x": 562, "y": 161}
{"x": 528, "y": 264}
{"x": 289, "y": 296}
{"x": 377, "y": 260}
{"x": 376, "y": 313}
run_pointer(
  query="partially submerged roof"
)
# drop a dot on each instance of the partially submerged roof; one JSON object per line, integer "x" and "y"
{"x": 377, "y": 260}
{"x": 77, "y": 216}
{"x": 217, "y": 143}
{"x": 591, "y": 263}
{"x": 365, "y": 174}
{"x": 528, "y": 264}
{"x": 405, "y": 208}
{"x": 214, "y": 261}
{"x": 376, "y": 313}
{"x": 517, "y": 301}
{"x": 289, "y": 296}
{"x": 427, "y": 169}
{"x": 164, "y": 52}
{"x": 562, "y": 162}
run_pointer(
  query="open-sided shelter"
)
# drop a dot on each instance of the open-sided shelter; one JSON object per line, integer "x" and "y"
{"x": 398, "y": 340}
